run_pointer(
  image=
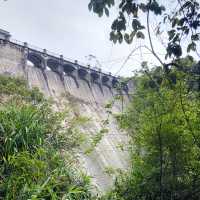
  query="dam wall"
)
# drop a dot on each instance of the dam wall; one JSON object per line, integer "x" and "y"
{"x": 87, "y": 89}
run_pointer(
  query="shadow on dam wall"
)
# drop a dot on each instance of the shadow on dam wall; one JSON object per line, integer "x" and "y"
{"x": 92, "y": 89}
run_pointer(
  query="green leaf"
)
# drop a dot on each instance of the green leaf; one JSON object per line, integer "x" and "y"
{"x": 120, "y": 37}
{"x": 100, "y": 13}
{"x": 176, "y": 38}
{"x": 174, "y": 49}
{"x": 191, "y": 47}
{"x": 195, "y": 37}
{"x": 90, "y": 6}
{"x": 140, "y": 35}
{"x": 113, "y": 37}
{"x": 106, "y": 11}
{"x": 133, "y": 33}
{"x": 175, "y": 21}
{"x": 135, "y": 24}
{"x": 171, "y": 34}
{"x": 126, "y": 37}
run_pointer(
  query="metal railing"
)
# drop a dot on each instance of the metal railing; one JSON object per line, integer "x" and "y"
{"x": 58, "y": 56}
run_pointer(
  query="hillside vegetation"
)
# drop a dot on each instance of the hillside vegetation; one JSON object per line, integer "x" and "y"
{"x": 31, "y": 140}
{"x": 163, "y": 122}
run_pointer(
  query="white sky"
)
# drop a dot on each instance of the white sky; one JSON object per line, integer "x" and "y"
{"x": 67, "y": 27}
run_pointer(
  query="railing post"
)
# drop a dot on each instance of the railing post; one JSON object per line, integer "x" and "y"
{"x": 25, "y": 54}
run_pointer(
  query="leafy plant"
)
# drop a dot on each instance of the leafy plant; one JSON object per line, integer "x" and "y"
{"x": 31, "y": 141}
{"x": 163, "y": 122}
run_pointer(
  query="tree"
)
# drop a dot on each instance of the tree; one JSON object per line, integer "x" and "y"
{"x": 163, "y": 123}
{"x": 163, "y": 118}
{"x": 180, "y": 23}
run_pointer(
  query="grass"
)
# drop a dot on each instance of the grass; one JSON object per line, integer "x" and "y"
{"x": 31, "y": 165}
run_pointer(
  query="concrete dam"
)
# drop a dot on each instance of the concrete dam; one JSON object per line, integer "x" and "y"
{"x": 87, "y": 88}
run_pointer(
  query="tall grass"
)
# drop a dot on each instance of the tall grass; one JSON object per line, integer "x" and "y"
{"x": 31, "y": 167}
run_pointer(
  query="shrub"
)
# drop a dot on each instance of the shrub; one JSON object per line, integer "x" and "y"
{"x": 31, "y": 166}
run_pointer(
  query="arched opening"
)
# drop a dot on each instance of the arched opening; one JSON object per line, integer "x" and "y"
{"x": 82, "y": 73}
{"x": 94, "y": 76}
{"x": 68, "y": 68}
{"x": 124, "y": 87}
{"x": 115, "y": 83}
{"x": 35, "y": 60}
{"x": 53, "y": 65}
{"x": 105, "y": 79}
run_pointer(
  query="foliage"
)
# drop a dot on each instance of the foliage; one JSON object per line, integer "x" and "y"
{"x": 23, "y": 127}
{"x": 95, "y": 140}
{"x": 163, "y": 122}
{"x": 163, "y": 119}
{"x": 180, "y": 22}
{"x": 31, "y": 164}
{"x": 112, "y": 171}
{"x": 18, "y": 87}
{"x": 42, "y": 175}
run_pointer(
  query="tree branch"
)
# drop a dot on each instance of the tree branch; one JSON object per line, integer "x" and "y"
{"x": 149, "y": 35}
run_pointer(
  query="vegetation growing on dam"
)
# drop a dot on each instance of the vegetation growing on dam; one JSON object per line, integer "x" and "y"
{"x": 163, "y": 121}
{"x": 32, "y": 165}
